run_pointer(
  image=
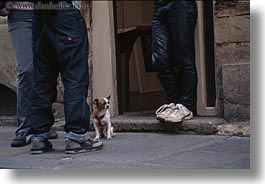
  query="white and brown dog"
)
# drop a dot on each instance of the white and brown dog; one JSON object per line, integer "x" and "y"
{"x": 101, "y": 118}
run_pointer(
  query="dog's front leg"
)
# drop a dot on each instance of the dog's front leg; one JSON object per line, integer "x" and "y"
{"x": 109, "y": 131}
{"x": 97, "y": 130}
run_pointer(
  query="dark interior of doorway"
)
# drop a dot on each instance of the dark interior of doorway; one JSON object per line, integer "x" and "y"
{"x": 132, "y": 22}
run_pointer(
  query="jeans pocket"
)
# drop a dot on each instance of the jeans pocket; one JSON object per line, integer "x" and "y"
{"x": 68, "y": 30}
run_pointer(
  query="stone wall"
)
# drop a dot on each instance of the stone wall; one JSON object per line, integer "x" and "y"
{"x": 232, "y": 39}
{"x": 8, "y": 67}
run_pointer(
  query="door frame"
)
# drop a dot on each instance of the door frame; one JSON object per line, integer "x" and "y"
{"x": 202, "y": 108}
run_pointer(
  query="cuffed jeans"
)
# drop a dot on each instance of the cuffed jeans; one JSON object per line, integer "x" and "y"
{"x": 60, "y": 45}
{"x": 173, "y": 50}
{"x": 19, "y": 28}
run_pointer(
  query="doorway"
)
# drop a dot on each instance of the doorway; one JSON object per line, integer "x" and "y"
{"x": 138, "y": 86}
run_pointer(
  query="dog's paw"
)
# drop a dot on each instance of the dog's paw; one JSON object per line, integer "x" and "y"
{"x": 96, "y": 138}
{"x": 109, "y": 137}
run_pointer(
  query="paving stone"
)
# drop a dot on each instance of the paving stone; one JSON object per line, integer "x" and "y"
{"x": 230, "y": 145}
{"x": 236, "y": 164}
{"x": 234, "y": 129}
{"x": 197, "y": 160}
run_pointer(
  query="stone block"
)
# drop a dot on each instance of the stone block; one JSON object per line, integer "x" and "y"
{"x": 7, "y": 55}
{"x": 236, "y": 52}
{"x": 234, "y": 129}
{"x": 8, "y": 67}
{"x": 3, "y": 20}
{"x": 232, "y": 29}
{"x": 236, "y": 91}
{"x": 229, "y": 8}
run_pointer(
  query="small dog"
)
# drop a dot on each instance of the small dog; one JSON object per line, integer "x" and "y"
{"x": 101, "y": 116}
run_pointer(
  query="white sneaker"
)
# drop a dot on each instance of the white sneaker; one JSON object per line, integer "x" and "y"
{"x": 164, "y": 111}
{"x": 180, "y": 113}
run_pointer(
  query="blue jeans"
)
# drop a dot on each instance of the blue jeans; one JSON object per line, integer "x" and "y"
{"x": 173, "y": 50}
{"x": 19, "y": 28}
{"x": 60, "y": 45}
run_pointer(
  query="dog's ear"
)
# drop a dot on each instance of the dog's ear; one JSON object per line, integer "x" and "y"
{"x": 109, "y": 97}
{"x": 95, "y": 102}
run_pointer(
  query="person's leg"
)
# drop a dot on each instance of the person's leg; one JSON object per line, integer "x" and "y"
{"x": 44, "y": 91}
{"x": 161, "y": 55}
{"x": 45, "y": 76}
{"x": 182, "y": 21}
{"x": 20, "y": 32}
{"x": 73, "y": 60}
{"x": 19, "y": 28}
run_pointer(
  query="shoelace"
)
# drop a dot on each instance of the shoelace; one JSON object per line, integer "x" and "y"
{"x": 161, "y": 109}
{"x": 179, "y": 109}
{"x": 176, "y": 109}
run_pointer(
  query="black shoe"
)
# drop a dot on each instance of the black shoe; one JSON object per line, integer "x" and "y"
{"x": 19, "y": 140}
{"x": 73, "y": 147}
{"x": 40, "y": 145}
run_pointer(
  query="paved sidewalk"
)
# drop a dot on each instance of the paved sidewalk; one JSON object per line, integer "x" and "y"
{"x": 135, "y": 150}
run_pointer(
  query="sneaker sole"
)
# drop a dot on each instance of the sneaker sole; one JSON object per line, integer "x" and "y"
{"x": 190, "y": 116}
{"x": 14, "y": 145}
{"x": 82, "y": 150}
{"x": 160, "y": 119}
{"x": 35, "y": 152}
{"x": 40, "y": 151}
